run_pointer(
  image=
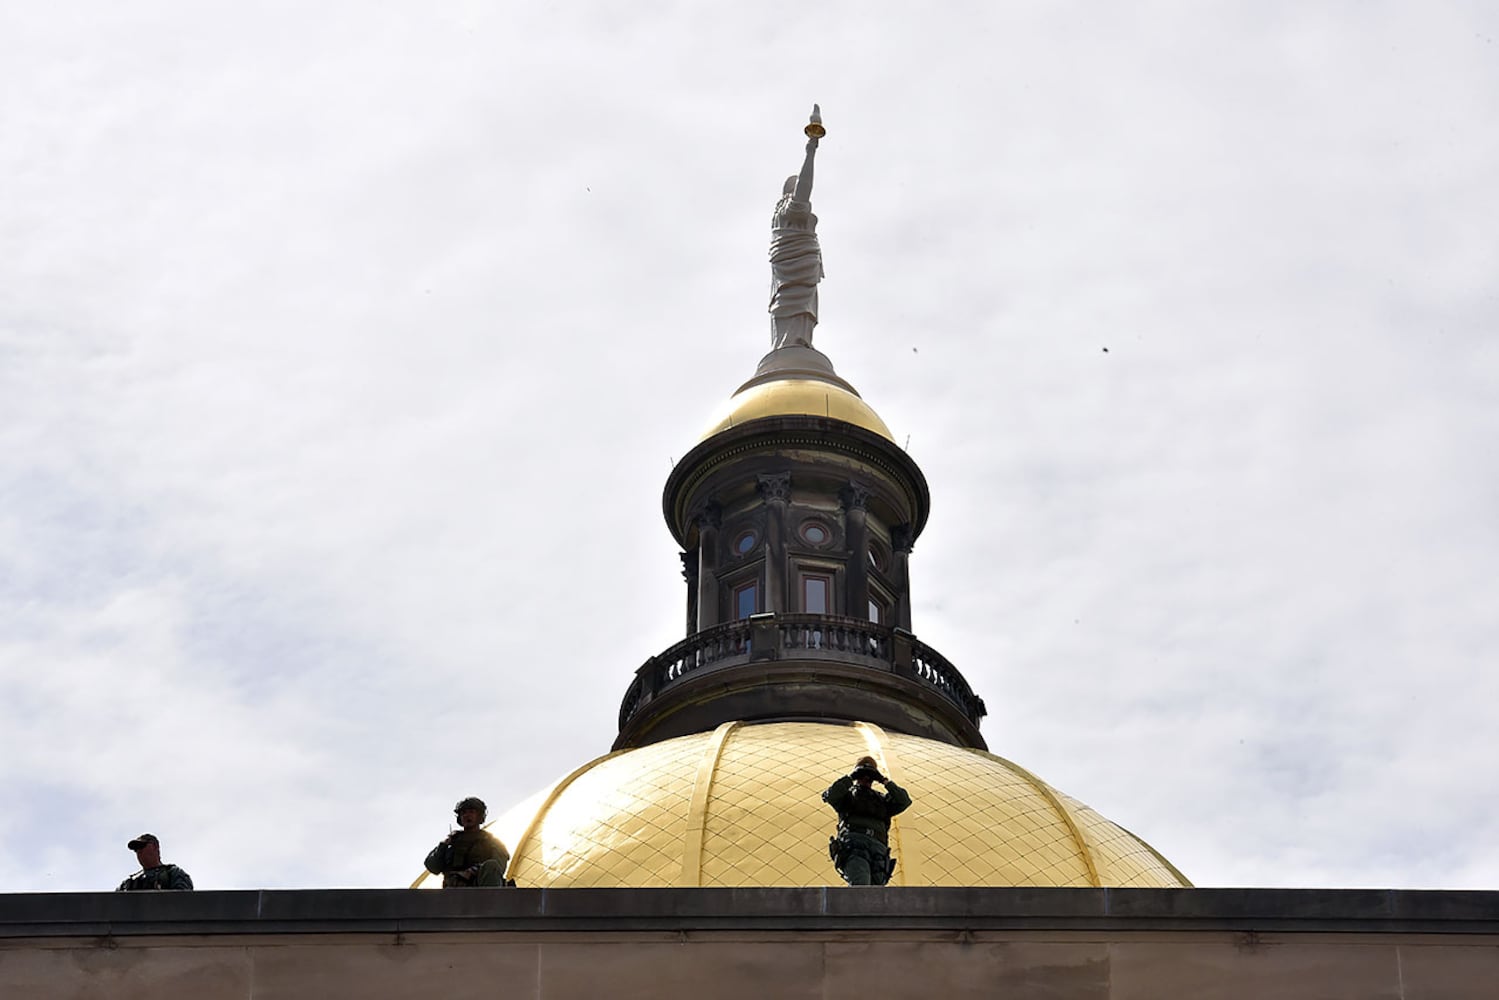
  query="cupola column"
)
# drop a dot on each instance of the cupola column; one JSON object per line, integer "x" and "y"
{"x": 708, "y": 519}
{"x": 900, "y": 570}
{"x": 855, "y": 499}
{"x": 689, "y": 573}
{"x": 776, "y": 491}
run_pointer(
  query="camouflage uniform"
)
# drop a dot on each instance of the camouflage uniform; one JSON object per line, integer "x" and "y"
{"x": 861, "y": 850}
{"x": 159, "y": 877}
{"x": 466, "y": 849}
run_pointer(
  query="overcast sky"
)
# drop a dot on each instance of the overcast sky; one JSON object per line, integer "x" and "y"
{"x": 345, "y": 349}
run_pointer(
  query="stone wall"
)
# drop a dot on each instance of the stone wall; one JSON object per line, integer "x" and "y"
{"x": 1115, "y": 944}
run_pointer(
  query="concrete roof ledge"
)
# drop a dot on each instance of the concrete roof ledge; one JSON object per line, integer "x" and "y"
{"x": 404, "y": 911}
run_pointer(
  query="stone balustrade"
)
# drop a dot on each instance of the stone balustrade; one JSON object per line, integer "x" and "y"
{"x": 801, "y": 637}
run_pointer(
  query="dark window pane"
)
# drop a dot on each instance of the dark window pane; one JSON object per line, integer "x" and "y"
{"x": 815, "y": 595}
{"x": 744, "y": 600}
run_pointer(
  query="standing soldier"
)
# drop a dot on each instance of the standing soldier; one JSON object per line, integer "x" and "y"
{"x": 153, "y": 874}
{"x": 470, "y": 856}
{"x": 861, "y": 850}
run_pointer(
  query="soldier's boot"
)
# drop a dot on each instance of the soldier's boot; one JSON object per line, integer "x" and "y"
{"x": 490, "y": 873}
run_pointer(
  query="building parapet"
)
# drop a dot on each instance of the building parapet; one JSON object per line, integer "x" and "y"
{"x": 929, "y": 909}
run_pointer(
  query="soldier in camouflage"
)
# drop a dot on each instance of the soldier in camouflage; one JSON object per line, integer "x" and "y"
{"x": 470, "y": 856}
{"x": 861, "y": 849}
{"x": 153, "y": 874}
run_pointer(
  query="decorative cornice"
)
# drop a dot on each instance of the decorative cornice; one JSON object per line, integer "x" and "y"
{"x": 794, "y": 433}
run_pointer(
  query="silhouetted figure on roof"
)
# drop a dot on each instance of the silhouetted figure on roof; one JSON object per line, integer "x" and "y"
{"x": 153, "y": 874}
{"x": 861, "y": 848}
{"x": 470, "y": 856}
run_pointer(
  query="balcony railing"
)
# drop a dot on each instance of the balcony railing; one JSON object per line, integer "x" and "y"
{"x": 846, "y": 641}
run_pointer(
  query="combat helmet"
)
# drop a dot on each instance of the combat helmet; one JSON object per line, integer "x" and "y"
{"x": 472, "y": 802}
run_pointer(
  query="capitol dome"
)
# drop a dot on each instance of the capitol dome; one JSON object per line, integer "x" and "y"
{"x": 796, "y": 515}
{"x": 796, "y": 521}
{"x": 740, "y": 806}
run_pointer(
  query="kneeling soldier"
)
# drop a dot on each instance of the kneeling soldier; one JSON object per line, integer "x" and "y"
{"x": 861, "y": 850}
{"x": 470, "y": 856}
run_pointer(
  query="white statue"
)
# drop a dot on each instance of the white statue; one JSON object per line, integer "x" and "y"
{"x": 795, "y": 255}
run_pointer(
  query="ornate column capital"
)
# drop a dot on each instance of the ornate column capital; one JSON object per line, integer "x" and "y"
{"x": 709, "y": 515}
{"x": 854, "y": 495}
{"x": 900, "y": 538}
{"x": 689, "y": 565}
{"x": 775, "y": 487}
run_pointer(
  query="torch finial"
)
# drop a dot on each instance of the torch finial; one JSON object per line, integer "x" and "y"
{"x": 814, "y": 127}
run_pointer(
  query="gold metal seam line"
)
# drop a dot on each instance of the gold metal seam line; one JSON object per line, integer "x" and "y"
{"x": 541, "y": 811}
{"x": 1061, "y": 810}
{"x": 692, "y": 837}
{"x": 908, "y": 863}
{"x": 1159, "y": 857}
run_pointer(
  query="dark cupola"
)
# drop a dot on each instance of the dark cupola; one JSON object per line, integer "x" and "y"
{"x": 796, "y": 515}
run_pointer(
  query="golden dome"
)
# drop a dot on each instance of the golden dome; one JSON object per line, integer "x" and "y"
{"x": 741, "y": 806}
{"x": 796, "y": 397}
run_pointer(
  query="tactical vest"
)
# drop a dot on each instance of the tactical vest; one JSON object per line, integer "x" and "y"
{"x": 147, "y": 879}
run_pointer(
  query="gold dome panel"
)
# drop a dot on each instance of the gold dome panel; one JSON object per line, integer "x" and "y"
{"x": 741, "y": 806}
{"x": 796, "y": 397}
